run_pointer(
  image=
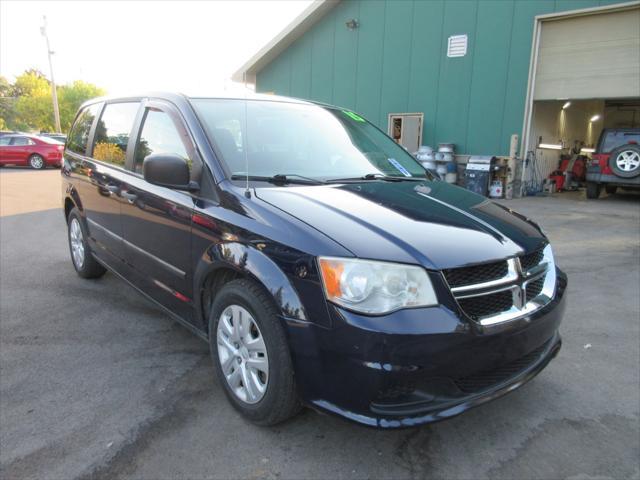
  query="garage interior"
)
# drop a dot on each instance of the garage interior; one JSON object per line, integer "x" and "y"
{"x": 585, "y": 77}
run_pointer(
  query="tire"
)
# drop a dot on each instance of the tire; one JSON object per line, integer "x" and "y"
{"x": 593, "y": 189}
{"x": 37, "y": 162}
{"x": 88, "y": 267}
{"x": 248, "y": 301}
{"x": 624, "y": 161}
{"x": 611, "y": 189}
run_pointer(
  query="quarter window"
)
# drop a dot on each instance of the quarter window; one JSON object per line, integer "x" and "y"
{"x": 112, "y": 132}
{"x": 79, "y": 134}
{"x": 159, "y": 135}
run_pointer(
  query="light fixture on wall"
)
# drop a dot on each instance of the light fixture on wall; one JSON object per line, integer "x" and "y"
{"x": 595, "y": 118}
{"x": 352, "y": 24}
{"x": 550, "y": 146}
{"x": 566, "y": 105}
{"x": 585, "y": 150}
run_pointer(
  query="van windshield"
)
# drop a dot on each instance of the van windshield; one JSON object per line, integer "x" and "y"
{"x": 316, "y": 142}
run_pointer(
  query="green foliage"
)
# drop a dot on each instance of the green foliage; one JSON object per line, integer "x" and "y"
{"x": 26, "y": 104}
{"x": 7, "y": 104}
{"x": 71, "y": 96}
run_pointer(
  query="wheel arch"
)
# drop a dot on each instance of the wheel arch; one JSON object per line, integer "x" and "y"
{"x": 68, "y": 206}
{"x": 224, "y": 262}
{"x": 71, "y": 200}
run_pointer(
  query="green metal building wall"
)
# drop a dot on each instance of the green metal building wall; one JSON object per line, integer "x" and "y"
{"x": 396, "y": 61}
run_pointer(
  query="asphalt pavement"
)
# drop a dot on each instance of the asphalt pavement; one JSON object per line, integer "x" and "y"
{"x": 95, "y": 382}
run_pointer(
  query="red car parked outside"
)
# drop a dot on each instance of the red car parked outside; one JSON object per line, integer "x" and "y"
{"x": 36, "y": 152}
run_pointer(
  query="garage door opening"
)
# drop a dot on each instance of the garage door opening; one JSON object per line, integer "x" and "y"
{"x": 585, "y": 77}
{"x": 564, "y": 136}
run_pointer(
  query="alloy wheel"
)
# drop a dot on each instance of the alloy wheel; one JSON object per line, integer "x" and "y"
{"x": 77, "y": 243}
{"x": 243, "y": 354}
{"x": 628, "y": 160}
{"x": 36, "y": 162}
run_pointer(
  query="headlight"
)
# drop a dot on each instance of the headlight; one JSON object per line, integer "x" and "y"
{"x": 375, "y": 287}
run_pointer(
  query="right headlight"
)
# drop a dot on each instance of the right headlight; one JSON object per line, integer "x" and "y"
{"x": 373, "y": 287}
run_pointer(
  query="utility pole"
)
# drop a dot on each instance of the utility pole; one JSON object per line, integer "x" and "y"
{"x": 54, "y": 93}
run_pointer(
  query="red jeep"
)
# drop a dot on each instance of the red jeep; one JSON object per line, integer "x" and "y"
{"x": 616, "y": 162}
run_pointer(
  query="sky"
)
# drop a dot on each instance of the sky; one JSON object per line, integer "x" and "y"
{"x": 191, "y": 47}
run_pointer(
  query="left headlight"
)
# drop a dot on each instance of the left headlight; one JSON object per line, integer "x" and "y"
{"x": 375, "y": 287}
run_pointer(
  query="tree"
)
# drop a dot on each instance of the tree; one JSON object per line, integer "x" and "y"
{"x": 26, "y": 104}
{"x": 31, "y": 83}
{"x": 6, "y": 103}
{"x": 5, "y": 87}
{"x": 32, "y": 107}
{"x": 70, "y": 98}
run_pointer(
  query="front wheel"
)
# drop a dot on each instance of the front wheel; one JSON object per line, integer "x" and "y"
{"x": 36, "y": 162}
{"x": 251, "y": 354}
{"x": 593, "y": 189}
{"x": 86, "y": 266}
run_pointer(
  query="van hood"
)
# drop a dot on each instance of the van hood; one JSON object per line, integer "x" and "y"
{"x": 430, "y": 222}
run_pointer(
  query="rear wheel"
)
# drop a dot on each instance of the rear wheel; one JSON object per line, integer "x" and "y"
{"x": 593, "y": 189}
{"x": 611, "y": 189}
{"x": 251, "y": 354}
{"x": 36, "y": 162}
{"x": 86, "y": 266}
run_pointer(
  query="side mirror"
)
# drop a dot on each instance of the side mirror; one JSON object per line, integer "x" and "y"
{"x": 168, "y": 170}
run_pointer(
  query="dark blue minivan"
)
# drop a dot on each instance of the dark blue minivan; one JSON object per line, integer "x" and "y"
{"x": 322, "y": 263}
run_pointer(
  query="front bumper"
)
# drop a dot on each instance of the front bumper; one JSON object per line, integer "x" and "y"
{"x": 418, "y": 366}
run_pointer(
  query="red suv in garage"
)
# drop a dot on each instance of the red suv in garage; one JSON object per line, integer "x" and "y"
{"x": 36, "y": 152}
{"x": 616, "y": 162}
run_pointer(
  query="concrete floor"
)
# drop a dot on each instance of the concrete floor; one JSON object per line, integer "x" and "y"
{"x": 96, "y": 383}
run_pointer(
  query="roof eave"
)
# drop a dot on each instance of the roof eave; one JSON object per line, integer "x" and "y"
{"x": 298, "y": 27}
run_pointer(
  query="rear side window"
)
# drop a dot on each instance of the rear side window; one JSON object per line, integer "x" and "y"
{"x": 79, "y": 134}
{"x": 158, "y": 135}
{"x": 22, "y": 141}
{"x": 5, "y": 140}
{"x": 112, "y": 132}
{"x": 613, "y": 140}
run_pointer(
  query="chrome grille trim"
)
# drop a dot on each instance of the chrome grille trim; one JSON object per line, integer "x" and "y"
{"x": 516, "y": 281}
{"x": 511, "y": 276}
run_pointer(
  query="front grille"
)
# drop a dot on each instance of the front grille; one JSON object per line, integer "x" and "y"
{"x": 531, "y": 260}
{"x": 489, "y": 378}
{"x": 486, "y": 305}
{"x": 534, "y": 288}
{"x": 458, "y": 277}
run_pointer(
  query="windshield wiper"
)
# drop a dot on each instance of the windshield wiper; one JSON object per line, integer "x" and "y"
{"x": 377, "y": 176}
{"x": 280, "y": 179}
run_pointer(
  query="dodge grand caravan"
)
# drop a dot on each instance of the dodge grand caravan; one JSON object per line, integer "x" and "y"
{"x": 322, "y": 263}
